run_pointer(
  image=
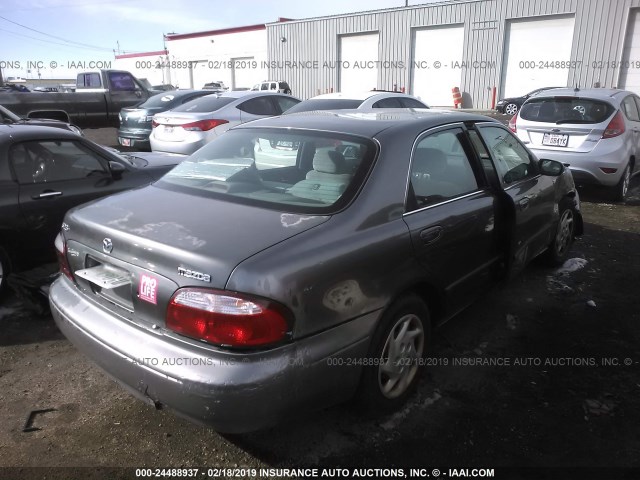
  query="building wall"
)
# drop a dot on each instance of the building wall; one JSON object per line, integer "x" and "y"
{"x": 598, "y": 41}
{"x": 238, "y": 59}
{"x": 150, "y": 65}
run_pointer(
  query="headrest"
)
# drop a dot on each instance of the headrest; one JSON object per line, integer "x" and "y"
{"x": 329, "y": 161}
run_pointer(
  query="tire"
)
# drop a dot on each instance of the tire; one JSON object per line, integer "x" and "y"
{"x": 386, "y": 386}
{"x": 560, "y": 246}
{"x": 511, "y": 109}
{"x": 5, "y": 270}
{"x": 620, "y": 190}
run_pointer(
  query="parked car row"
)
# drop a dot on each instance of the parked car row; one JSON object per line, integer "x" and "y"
{"x": 191, "y": 118}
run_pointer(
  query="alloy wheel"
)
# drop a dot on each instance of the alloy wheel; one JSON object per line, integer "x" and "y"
{"x": 511, "y": 109}
{"x": 401, "y": 356}
{"x": 564, "y": 234}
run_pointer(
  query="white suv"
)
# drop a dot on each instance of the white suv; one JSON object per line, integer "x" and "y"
{"x": 272, "y": 86}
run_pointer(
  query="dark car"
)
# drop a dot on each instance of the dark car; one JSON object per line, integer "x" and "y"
{"x": 510, "y": 106}
{"x": 135, "y": 122}
{"x": 299, "y": 260}
{"x": 10, "y": 118}
{"x": 44, "y": 172}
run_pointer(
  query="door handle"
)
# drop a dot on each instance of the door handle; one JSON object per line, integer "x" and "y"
{"x": 46, "y": 194}
{"x": 523, "y": 203}
{"x": 430, "y": 235}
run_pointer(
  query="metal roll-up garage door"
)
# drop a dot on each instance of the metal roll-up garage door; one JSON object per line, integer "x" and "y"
{"x": 629, "y": 71}
{"x": 534, "y": 53}
{"x": 358, "y": 57}
{"x": 437, "y": 54}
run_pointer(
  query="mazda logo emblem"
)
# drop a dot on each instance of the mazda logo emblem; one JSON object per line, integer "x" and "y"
{"x": 107, "y": 245}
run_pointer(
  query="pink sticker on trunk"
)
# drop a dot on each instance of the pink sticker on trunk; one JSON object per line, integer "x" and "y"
{"x": 148, "y": 289}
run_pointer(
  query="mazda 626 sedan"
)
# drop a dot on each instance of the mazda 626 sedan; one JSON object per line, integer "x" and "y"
{"x": 297, "y": 261}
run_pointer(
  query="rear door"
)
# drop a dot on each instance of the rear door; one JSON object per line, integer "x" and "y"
{"x": 531, "y": 195}
{"x": 451, "y": 214}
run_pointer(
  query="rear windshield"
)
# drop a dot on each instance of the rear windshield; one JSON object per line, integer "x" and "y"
{"x": 561, "y": 110}
{"x": 209, "y": 103}
{"x": 160, "y": 100}
{"x": 282, "y": 169}
{"x": 325, "y": 104}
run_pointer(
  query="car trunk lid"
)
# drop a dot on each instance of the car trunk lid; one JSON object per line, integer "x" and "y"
{"x": 142, "y": 238}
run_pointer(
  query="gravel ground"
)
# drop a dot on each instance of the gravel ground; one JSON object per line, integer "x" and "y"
{"x": 569, "y": 396}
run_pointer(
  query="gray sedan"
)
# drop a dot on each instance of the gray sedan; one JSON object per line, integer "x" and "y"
{"x": 300, "y": 260}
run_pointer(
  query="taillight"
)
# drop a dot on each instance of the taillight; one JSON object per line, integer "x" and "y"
{"x": 227, "y": 318}
{"x": 512, "y": 123}
{"x": 616, "y": 126}
{"x": 154, "y": 124}
{"x": 61, "y": 252}
{"x": 203, "y": 125}
{"x": 608, "y": 170}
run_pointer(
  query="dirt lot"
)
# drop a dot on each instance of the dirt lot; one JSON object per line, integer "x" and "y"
{"x": 563, "y": 390}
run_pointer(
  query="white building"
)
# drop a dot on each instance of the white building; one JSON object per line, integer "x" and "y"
{"x": 236, "y": 56}
{"x": 148, "y": 65}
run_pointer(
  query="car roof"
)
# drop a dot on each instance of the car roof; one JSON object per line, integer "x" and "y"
{"x": 368, "y": 122}
{"x": 596, "y": 93}
{"x": 34, "y": 132}
{"x": 246, "y": 93}
{"x": 359, "y": 95}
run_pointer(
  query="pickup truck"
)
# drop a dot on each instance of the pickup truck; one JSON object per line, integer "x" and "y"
{"x": 98, "y": 99}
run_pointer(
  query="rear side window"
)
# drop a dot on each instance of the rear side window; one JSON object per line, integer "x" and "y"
{"x": 53, "y": 161}
{"x": 411, "y": 103}
{"x": 440, "y": 170}
{"x": 285, "y": 103}
{"x": 259, "y": 106}
{"x": 391, "y": 102}
{"x": 631, "y": 109}
{"x": 561, "y": 110}
{"x": 89, "y": 80}
{"x": 209, "y": 103}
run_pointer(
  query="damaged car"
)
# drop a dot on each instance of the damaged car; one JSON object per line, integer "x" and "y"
{"x": 298, "y": 261}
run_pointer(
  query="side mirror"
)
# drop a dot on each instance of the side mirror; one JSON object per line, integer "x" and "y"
{"x": 117, "y": 169}
{"x": 551, "y": 167}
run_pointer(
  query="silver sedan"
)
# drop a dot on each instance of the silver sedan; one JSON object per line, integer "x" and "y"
{"x": 191, "y": 126}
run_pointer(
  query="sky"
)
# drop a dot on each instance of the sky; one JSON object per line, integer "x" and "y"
{"x": 53, "y": 36}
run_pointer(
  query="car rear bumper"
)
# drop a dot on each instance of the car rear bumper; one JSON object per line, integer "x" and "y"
{"x": 186, "y": 147}
{"x": 232, "y": 391}
{"x": 586, "y": 167}
{"x": 138, "y": 138}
